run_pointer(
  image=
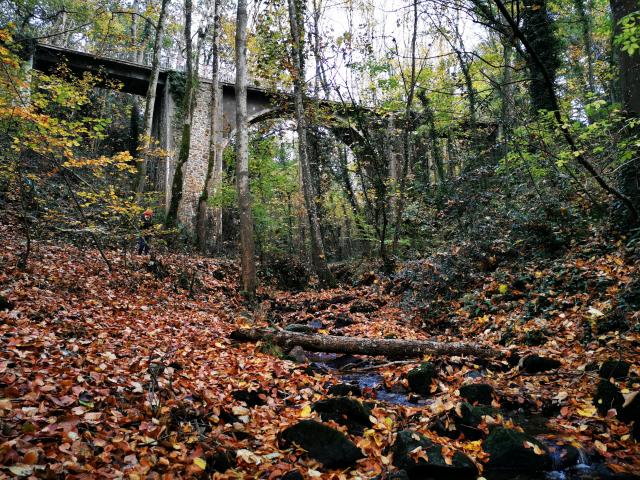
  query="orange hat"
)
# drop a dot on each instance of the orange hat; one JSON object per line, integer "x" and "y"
{"x": 148, "y": 212}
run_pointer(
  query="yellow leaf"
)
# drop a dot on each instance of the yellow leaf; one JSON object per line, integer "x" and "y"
{"x": 600, "y": 446}
{"x": 587, "y": 411}
{"x": 201, "y": 463}
{"x": 305, "y": 412}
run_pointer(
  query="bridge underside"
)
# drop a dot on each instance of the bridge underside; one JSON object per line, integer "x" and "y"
{"x": 134, "y": 79}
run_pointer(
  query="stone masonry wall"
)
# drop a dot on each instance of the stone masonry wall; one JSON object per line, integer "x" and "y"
{"x": 195, "y": 170}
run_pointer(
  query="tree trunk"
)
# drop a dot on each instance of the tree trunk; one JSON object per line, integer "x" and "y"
{"x": 585, "y": 24}
{"x": 185, "y": 142}
{"x": 505, "y": 122}
{"x": 538, "y": 28}
{"x": 318, "y": 257}
{"x": 558, "y": 117}
{"x": 150, "y": 99}
{"x": 408, "y": 127}
{"x": 213, "y": 177}
{"x": 362, "y": 346}
{"x": 629, "y": 88}
{"x": 247, "y": 246}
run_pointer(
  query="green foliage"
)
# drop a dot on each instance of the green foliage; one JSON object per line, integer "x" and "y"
{"x": 629, "y": 37}
{"x": 50, "y": 159}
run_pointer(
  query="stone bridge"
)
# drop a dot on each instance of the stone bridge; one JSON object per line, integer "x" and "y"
{"x": 134, "y": 78}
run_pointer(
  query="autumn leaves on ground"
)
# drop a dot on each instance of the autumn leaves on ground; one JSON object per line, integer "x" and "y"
{"x": 132, "y": 374}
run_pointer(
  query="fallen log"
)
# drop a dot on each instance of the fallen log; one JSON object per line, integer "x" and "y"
{"x": 389, "y": 347}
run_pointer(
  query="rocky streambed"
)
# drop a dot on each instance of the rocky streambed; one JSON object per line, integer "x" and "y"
{"x": 517, "y": 441}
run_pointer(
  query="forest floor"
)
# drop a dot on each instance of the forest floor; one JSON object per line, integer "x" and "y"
{"x": 131, "y": 373}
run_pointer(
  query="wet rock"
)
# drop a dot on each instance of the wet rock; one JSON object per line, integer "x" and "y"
{"x": 343, "y": 360}
{"x": 345, "y": 411}
{"x": 220, "y": 461}
{"x": 481, "y": 393}
{"x": 292, "y": 475}
{"x": 617, "y": 369}
{"x": 251, "y": 398}
{"x": 565, "y": 456}
{"x": 326, "y": 445}
{"x": 508, "y": 452}
{"x": 344, "y": 390}
{"x": 314, "y": 368}
{"x": 607, "y": 396}
{"x": 362, "y": 306}
{"x": 420, "y": 378}
{"x": 538, "y": 364}
{"x": 408, "y": 441}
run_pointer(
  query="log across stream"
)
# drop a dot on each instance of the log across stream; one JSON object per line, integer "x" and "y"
{"x": 389, "y": 347}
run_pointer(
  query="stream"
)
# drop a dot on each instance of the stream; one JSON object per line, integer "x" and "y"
{"x": 584, "y": 466}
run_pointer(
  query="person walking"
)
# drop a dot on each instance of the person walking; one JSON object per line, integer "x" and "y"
{"x": 145, "y": 236}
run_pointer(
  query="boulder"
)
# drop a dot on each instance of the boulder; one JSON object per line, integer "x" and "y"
{"x": 617, "y": 369}
{"x": 252, "y": 398}
{"x": 345, "y": 411}
{"x": 481, "y": 393}
{"x": 607, "y": 396}
{"x": 344, "y": 390}
{"x": 434, "y": 465}
{"x": 324, "y": 444}
{"x": 538, "y": 364}
{"x": 515, "y": 451}
{"x": 631, "y": 409}
{"x": 420, "y": 378}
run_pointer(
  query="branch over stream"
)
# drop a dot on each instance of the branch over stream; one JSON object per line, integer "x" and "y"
{"x": 362, "y": 346}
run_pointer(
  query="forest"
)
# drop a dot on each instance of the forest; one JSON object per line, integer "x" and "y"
{"x": 338, "y": 239}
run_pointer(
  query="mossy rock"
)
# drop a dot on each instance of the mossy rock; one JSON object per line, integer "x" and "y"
{"x": 480, "y": 393}
{"x": 607, "y": 396}
{"x": 344, "y": 411}
{"x": 420, "y": 378}
{"x": 617, "y": 369}
{"x": 407, "y": 441}
{"x": 538, "y": 364}
{"x": 509, "y": 452}
{"x": 322, "y": 443}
